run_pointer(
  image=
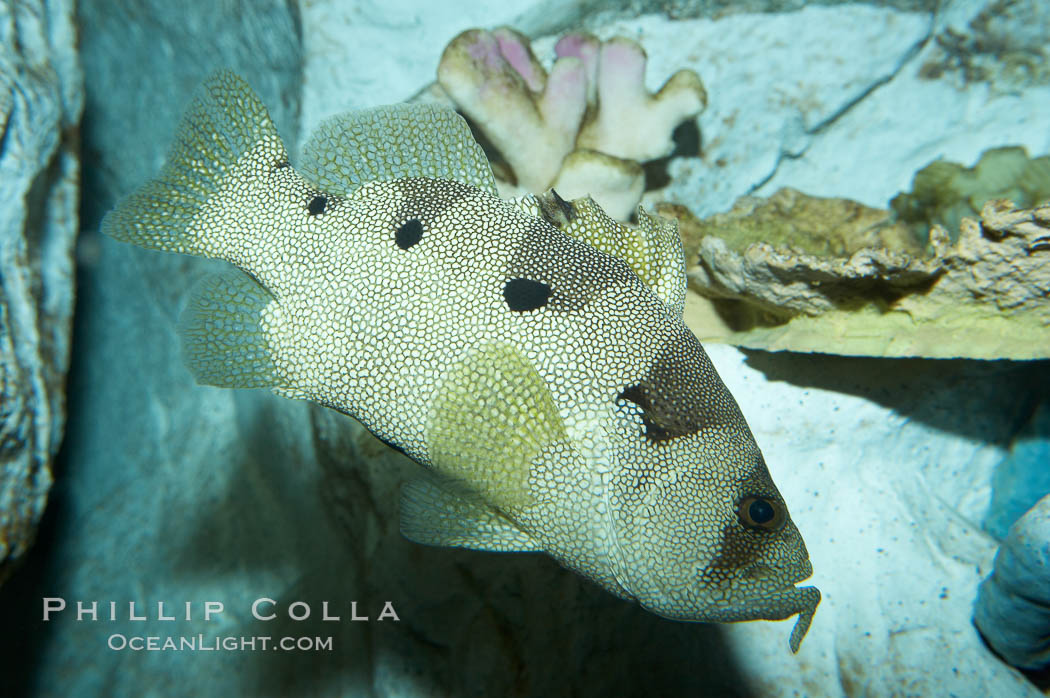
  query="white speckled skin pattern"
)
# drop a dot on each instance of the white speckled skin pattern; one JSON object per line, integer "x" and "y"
{"x": 557, "y": 399}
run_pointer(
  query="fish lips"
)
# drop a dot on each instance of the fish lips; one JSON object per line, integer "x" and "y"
{"x": 781, "y": 603}
{"x": 778, "y": 604}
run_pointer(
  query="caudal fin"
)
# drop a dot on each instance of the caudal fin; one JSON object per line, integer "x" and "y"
{"x": 225, "y": 122}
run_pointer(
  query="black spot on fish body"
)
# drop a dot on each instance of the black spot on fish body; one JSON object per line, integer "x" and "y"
{"x": 409, "y": 233}
{"x": 546, "y": 253}
{"x": 317, "y": 205}
{"x": 525, "y": 294}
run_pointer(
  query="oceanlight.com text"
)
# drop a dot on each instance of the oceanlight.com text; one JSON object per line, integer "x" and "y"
{"x": 200, "y": 643}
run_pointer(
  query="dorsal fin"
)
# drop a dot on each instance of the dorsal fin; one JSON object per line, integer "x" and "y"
{"x": 391, "y": 142}
{"x": 652, "y": 249}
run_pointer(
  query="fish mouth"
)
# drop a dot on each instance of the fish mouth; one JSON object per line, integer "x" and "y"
{"x": 788, "y": 601}
{"x": 776, "y": 598}
{"x": 784, "y": 601}
{"x": 779, "y": 604}
{"x": 760, "y": 570}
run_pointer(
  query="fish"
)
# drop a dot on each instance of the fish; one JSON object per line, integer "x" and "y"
{"x": 530, "y": 354}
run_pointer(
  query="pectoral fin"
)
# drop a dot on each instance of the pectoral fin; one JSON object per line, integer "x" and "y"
{"x": 492, "y": 415}
{"x": 435, "y": 514}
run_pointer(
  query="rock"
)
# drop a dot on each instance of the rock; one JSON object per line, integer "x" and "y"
{"x": 358, "y": 56}
{"x": 1022, "y": 478}
{"x": 1003, "y": 45}
{"x": 831, "y": 275}
{"x": 793, "y": 254}
{"x": 551, "y": 16}
{"x": 876, "y": 146}
{"x": 40, "y": 102}
{"x": 943, "y": 193}
{"x": 1000, "y": 260}
{"x": 777, "y": 84}
{"x": 1013, "y": 603}
{"x": 164, "y": 489}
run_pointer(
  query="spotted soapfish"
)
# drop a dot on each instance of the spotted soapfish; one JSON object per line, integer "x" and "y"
{"x": 530, "y": 354}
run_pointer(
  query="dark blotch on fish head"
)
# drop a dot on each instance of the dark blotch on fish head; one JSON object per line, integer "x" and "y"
{"x": 680, "y": 394}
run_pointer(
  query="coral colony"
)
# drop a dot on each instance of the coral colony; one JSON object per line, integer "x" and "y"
{"x": 583, "y": 128}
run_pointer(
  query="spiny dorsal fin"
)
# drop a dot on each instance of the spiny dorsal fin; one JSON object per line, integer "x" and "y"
{"x": 392, "y": 142}
{"x": 652, "y": 249}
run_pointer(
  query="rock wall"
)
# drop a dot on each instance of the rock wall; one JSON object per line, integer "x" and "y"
{"x": 40, "y": 102}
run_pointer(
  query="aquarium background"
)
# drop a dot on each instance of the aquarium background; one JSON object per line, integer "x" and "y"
{"x": 901, "y": 474}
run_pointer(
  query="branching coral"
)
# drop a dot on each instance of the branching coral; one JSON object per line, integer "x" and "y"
{"x": 532, "y": 117}
{"x": 584, "y": 127}
{"x": 624, "y": 120}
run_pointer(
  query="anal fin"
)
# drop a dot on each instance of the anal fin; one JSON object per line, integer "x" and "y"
{"x": 433, "y": 513}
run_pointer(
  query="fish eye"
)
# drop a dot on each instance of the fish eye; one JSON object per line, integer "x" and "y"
{"x": 761, "y": 513}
